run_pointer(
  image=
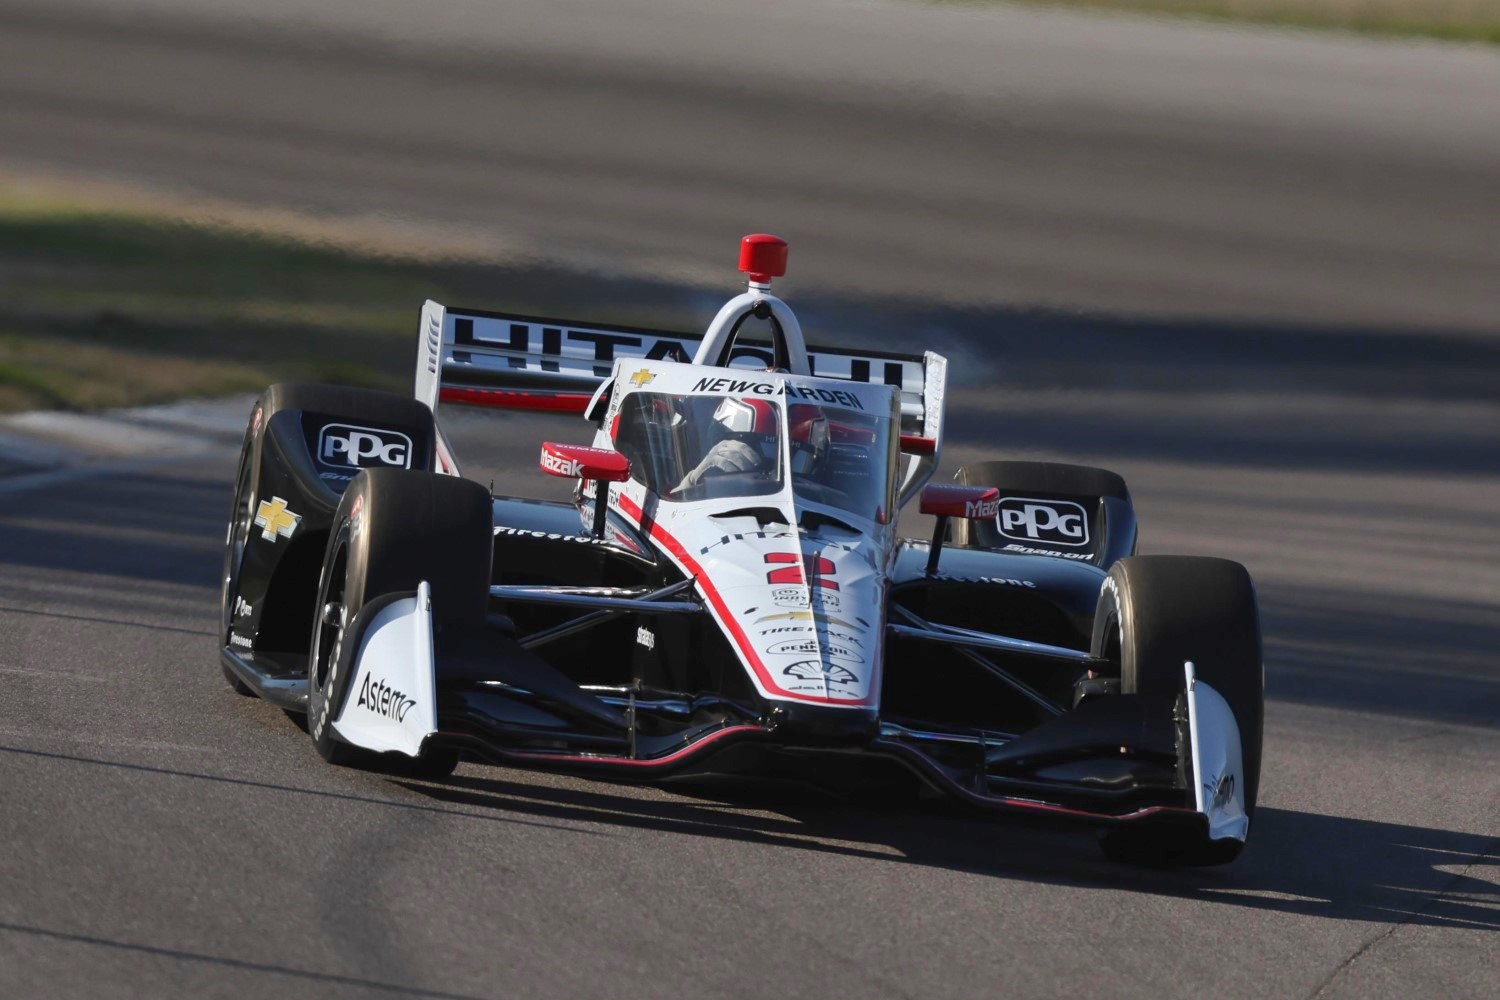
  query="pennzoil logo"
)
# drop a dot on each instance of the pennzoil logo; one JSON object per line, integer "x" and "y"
{"x": 275, "y": 520}
{"x": 642, "y": 377}
{"x": 812, "y": 647}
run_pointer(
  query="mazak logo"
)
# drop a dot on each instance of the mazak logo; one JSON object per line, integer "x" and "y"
{"x": 379, "y": 697}
{"x": 810, "y": 647}
{"x": 568, "y": 468}
{"x": 347, "y": 446}
{"x": 812, "y": 670}
{"x": 1055, "y": 522}
{"x": 981, "y": 510}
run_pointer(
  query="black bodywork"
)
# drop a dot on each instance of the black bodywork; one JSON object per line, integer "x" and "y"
{"x": 646, "y": 693}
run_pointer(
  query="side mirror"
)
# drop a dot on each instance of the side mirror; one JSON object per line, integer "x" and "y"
{"x": 576, "y": 461}
{"x": 916, "y": 444}
{"x": 945, "y": 500}
{"x": 977, "y": 503}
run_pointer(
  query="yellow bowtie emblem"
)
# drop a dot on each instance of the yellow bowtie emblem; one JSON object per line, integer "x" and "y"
{"x": 274, "y": 519}
{"x": 641, "y": 377}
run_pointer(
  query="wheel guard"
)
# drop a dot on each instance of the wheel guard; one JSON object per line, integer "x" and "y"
{"x": 1218, "y": 769}
{"x": 390, "y": 704}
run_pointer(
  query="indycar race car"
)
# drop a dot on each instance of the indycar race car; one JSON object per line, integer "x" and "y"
{"x": 726, "y": 592}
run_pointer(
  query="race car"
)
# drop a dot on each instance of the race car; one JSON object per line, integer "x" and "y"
{"x": 727, "y": 593}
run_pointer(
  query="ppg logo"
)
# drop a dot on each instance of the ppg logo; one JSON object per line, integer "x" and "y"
{"x": 1056, "y": 522}
{"x": 363, "y": 447}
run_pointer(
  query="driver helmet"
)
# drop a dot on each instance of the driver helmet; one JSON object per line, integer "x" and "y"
{"x": 752, "y": 421}
{"x": 808, "y": 430}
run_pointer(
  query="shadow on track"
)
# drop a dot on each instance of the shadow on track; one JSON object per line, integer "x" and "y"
{"x": 1325, "y": 866}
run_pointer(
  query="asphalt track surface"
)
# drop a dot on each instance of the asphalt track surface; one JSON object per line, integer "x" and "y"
{"x": 1278, "y": 323}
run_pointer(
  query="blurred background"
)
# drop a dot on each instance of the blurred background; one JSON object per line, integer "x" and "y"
{"x": 1245, "y": 252}
{"x": 1255, "y": 270}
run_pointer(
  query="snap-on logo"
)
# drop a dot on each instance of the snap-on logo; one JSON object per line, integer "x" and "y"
{"x": 347, "y": 446}
{"x": 1056, "y": 522}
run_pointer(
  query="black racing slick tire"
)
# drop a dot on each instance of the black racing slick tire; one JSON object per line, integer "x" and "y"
{"x": 393, "y": 530}
{"x": 1155, "y": 613}
{"x": 241, "y": 513}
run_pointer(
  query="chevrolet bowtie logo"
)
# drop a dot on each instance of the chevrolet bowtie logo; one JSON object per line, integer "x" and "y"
{"x": 641, "y": 377}
{"x": 274, "y": 519}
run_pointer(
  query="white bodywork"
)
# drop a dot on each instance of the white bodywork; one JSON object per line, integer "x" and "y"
{"x": 1218, "y": 770}
{"x": 391, "y": 702}
{"x": 818, "y": 639}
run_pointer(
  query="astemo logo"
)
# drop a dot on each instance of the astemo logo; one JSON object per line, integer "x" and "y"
{"x": 362, "y": 447}
{"x": 379, "y": 697}
{"x": 1056, "y": 522}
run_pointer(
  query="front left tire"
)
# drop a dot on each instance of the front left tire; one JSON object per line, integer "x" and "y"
{"x": 393, "y": 530}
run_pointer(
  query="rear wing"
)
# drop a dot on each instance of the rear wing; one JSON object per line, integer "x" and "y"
{"x": 509, "y": 361}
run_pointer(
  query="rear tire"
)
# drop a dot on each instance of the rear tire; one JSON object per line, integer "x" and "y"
{"x": 393, "y": 530}
{"x": 1155, "y": 613}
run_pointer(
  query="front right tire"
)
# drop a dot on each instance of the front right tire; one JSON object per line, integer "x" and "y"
{"x": 1155, "y": 613}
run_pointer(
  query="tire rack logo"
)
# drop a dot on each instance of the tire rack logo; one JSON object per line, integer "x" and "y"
{"x": 832, "y": 673}
{"x": 568, "y": 468}
{"x": 1053, "y": 522}
{"x": 347, "y": 446}
{"x": 823, "y": 632}
{"x": 379, "y": 697}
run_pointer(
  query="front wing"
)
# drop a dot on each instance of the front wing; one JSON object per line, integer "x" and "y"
{"x": 499, "y": 703}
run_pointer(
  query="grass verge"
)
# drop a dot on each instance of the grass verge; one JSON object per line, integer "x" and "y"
{"x": 1454, "y": 20}
{"x": 104, "y": 306}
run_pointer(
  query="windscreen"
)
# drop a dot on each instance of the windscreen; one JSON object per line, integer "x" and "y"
{"x": 692, "y": 447}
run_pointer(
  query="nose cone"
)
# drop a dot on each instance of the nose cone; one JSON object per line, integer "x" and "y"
{"x": 804, "y": 614}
